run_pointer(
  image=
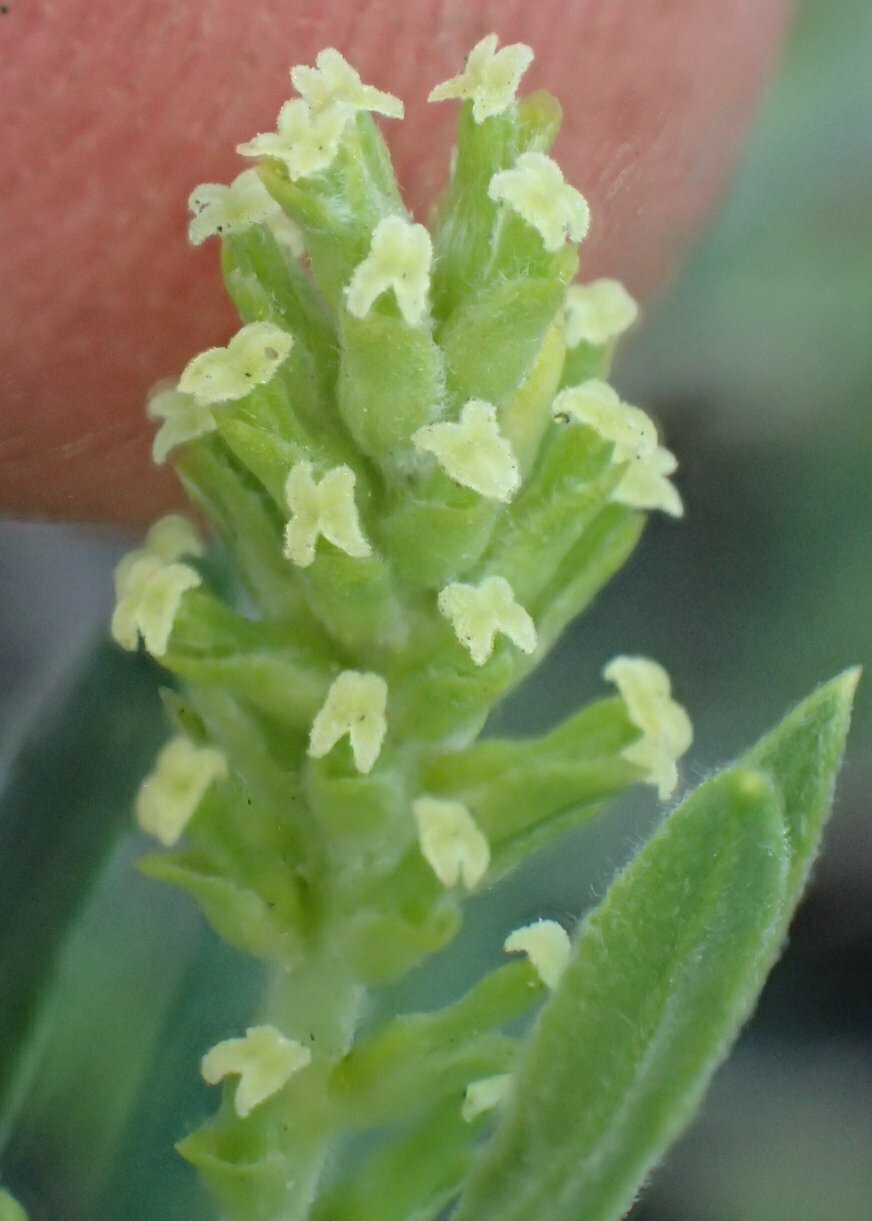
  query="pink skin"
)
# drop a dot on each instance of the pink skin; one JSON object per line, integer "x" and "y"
{"x": 114, "y": 110}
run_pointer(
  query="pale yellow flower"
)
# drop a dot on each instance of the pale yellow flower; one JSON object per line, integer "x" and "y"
{"x": 451, "y": 842}
{"x": 490, "y": 79}
{"x": 479, "y": 612}
{"x": 264, "y": 1060}
{"x": 324, "y": 509}
{"x": 354, "y": 707}
{"x": 169, "y": 797}
{"x": 535, "y": 188}
{"x": 666, "y": 731}
{"x": 546, "y": 944}
{"x": 399, "y": 258}
{"x": 473, "y": 452}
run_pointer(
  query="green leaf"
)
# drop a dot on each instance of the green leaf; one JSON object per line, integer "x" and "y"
{"x": 10, "y": 1210}
{"x": 662, "y": 977}
{"x": 66, "y": 799}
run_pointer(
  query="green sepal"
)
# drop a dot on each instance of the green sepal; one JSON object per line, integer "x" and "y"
{"x": 240, "y": 915}
{"x": 603, "y": 549}
{"x": 268, "y": 284}
{"x": 492, "y": 341}
{"x": 246, "y": 519}
{"x": 366, "y": 818}
{"x": 418, "y": 1058}
{"x": 355, "y": 599}
{"x": 437, "y": 530}
{"x": 263, "y": 753}
{"x": 412, "y": 1177}
{"x": 523, "y": 793}
{"x": 662, "y": 976}
{"x": 270, "y": 665}
{"x": 439, "y": 694}
{"x": 569, "y": 486}
{"x": 270, "y": 457}
{"x": 384, "y": 401}
{"x": 391, "y": 924}
{"x": 250, "y": 1183}
{"x": 249, "y": 873}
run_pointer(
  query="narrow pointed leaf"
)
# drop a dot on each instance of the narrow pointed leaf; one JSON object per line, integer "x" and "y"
{"x": 662, "y": 977}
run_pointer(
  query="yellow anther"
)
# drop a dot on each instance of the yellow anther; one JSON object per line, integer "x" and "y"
{"x": 546, "y": 944}
{"x": 168, "y": 798}
{"x": 219, "y": 209}
{"x": 535, "y": 188}
{"x": 473, "y": 451}
{"x": 333, "y": 82}
{"x": 322, "y": 509}
{"x": 306, "y": 143}
{"x": 491, "y": 78}
{"x": 264, "y": 1060}
{"x": 483, "y": 1095}
{"x": 399, "y": 258}
{"x": 598, "y": 312}
{"x": 451, "y": 842}
{"x": 478, "y": 612}
{"x": 354, "y": 707}
{"x": 149, "y": 585}
{"x": 250, "y": 359}
{"x": 665, "y": 726}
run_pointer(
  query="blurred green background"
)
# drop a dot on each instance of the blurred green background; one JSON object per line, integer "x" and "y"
{"x": 759, "y": 368}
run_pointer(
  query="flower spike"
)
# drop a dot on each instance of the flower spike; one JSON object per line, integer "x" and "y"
{"x": 326, "y": 508}
{"x": 264, "y": 1061}
{"x": 355, "y": 706}
{"x": 546, "y": 944}
{"x": 169, "y": 797}
{"x": 333, "y": 82}
{"x": 491, "y": 78}
{"x": 399, "y": 258}
{"x": 478, "y": 613}
{"x": 473, "y": 451}
{"x": 306, "y": 143}
{"x": 250, "y": 359}
{"x": 598, "y": 312}
{"x": 665, "y": 726}
{"x": 535, "y": 188}
{"x": 451, "y": 842}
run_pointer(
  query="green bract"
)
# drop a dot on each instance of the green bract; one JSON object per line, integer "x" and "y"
{"x": 411, "y": 455}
